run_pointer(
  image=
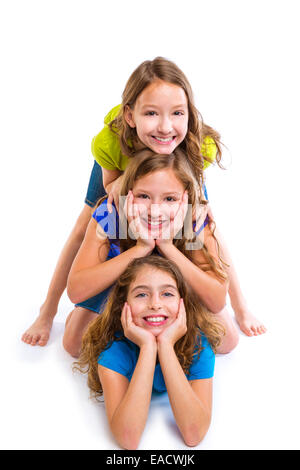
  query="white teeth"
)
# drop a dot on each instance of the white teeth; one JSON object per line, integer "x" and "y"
{"x": 155, "y": 319}
{"x": 150, "y": 222}
{"x": 155, "y": 223}
{"x": 164, "y": 140}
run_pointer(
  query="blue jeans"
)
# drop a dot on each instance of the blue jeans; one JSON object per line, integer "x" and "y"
{"x": 95, "y": 188}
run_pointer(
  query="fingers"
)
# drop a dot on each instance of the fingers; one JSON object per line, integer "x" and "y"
{"x": 136, "y": 218}
{"x": 201, "y": 213}
{"x": 126, "y": 316}
{"x": 110, "y": 200}
{"x": 209, "y": 213}
{"x": 182, "y": 311}
{"x": 177, "y": 218}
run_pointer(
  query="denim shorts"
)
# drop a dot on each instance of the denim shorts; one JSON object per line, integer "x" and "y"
{"x": 95, "y": 188}
{"x": 96, "y": 303}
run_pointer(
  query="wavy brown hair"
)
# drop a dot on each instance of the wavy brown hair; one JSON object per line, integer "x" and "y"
{"x": 107, "y": 327}
{"x": 145, "y": 74}
{"x": 147, "y": 162}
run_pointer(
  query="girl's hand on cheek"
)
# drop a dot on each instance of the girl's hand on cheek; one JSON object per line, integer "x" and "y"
{"x": 136, "y": 334}
{"x": 138, "y": 231}
{"x": 114, "y": 190}
{"x": 176, "y": 223}
{"x": 200, "y": 214}
{"x": 176, "y": 330}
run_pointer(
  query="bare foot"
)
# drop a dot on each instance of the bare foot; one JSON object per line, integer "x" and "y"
{"x": 38, "y": 333}
{"x": 248, "y": 323}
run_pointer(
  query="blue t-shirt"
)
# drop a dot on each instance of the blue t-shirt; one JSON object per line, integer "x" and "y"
{"x": 121, "y": 356}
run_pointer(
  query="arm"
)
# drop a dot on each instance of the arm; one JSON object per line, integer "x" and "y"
{"x": 191, "y": 402}
{"x": 211, "y": 290}
{"x": 112, "y": 182}
{"x": 109, "y": 176}
{"x": 90, "y": 272}
{"x": 127, "y": 403}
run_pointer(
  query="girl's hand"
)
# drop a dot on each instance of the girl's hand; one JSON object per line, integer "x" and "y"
{"x": 176, "y": 330}
{"x": 139, "y": 232}
{"x": 113, "y": 191}
{"x": 176, "y": 223}
{"x": 134, "y": 333}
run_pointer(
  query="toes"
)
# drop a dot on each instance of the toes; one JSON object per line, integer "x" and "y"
{"x": 34, "y": 340}
{"x": 43, "y": 340}
{"x": 245, "y": 329}
{"x": 27, "y": 338}
{"x": 23, "y": 337}
{"x": 262, "y": 329}
{"x": 254, "y": 330}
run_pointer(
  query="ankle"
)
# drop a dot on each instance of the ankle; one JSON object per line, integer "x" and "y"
{"x": 48, "y": 310}
{"x": 239, "y": 307}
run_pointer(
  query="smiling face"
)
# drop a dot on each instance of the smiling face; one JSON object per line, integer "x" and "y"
{"x": 160, "y": 116}
{"x": 157, "y": 196}
{"x": 154, "y": 299}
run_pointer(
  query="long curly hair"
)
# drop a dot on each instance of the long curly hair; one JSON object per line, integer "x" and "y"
{"x": 145, "y": 74}
{"x": 107, "y": 327}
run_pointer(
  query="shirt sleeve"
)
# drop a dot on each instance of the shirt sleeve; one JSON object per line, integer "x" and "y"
{"x": 109, "y": 221}
{"x": 204, "y": 365}
{"x": 101, "y": 149}
{"x": 119, "y": 358}
{"x": 209, "y": 150}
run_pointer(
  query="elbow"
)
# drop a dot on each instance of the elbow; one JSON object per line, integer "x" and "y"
{"x": 129, "y": 439}
{"x": 195, "y": 433}
{"x": 217, "y": 302}
{"x": 192, "y": 440}
{"x": 216, "y": 306}
{"x": 73, "y": 292}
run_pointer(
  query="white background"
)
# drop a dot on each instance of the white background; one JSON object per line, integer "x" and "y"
{"x": 64, "y": 65}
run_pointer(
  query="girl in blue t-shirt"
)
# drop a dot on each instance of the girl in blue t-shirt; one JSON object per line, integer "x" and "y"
{"x": 154, "y": 334}
{"x": 157, "y": 112}
{"x": 161, "y": 199}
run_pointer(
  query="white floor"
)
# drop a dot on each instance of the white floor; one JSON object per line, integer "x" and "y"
{"x": 256, "y": 398}
{"x": 241, "y": 61}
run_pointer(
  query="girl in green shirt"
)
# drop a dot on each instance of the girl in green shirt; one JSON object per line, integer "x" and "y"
{"x": 157, "y": 112}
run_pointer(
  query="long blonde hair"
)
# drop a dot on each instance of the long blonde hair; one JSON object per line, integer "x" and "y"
{"x": 145, "y": 74}
{"x": 107, "y": 327}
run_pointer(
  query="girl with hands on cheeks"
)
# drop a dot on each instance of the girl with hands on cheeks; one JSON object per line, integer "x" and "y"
{"x": 141, "y": 222}
{"x": 154, "y": 334}
{"x": 160, "y": 197}
{"x": 157, "y": 112}
{"x": 141, "y": 336}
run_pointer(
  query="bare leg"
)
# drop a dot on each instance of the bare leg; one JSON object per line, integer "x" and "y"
{"x": 247, "y": 322}
{"x": 38, "y": 333}
{"x": 231, "y": 338}
{"x": 76, "y": 325}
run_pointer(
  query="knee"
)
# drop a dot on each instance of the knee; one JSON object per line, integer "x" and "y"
{"x": 70, "y": 341}
{"x": 70, "y": 346}
{"x": 229, "y": 342}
